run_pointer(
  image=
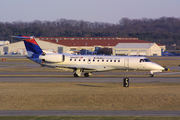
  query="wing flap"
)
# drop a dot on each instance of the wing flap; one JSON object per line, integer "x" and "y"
{"x": 86, "y": 67}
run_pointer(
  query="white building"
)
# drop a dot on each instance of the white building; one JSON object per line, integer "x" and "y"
{"x": 137, "y": 49}
{"x": 19, "y": 48}
{"x": 4, "y": 42}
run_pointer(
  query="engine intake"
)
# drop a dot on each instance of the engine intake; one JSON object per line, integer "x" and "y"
{"x": 52, "y": 57}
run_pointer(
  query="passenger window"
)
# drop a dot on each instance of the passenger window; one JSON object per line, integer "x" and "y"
{"x": 118, "y": 60}
{"x": 74, "y": 59}
{"x": 114, "y": 60}
{"x": 70, "y": 59}
{"x": 93, "y": 60}
{"x": 106, "y": 60}
{"x": 97, "y": 60}
{"x": 79, "y": 59}
{"x": 84, "y": 60}
{"x": 102, "y": 60}
{"x": 110, "y": 60}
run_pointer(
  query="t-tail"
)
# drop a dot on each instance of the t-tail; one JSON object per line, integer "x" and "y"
{"x": 33, "y": 49}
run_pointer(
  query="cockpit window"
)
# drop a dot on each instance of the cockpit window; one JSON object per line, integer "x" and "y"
{"x": 141, "y": 60}
{"x": 144, "y": 60}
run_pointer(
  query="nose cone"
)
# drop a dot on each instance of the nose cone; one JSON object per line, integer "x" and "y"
{"x": 161, "y": 68}
{"x": 158, "y": 67}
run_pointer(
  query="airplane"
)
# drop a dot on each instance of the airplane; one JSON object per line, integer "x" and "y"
{"x": 86, "y": 64}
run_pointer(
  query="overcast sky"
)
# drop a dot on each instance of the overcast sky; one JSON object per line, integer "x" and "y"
{"x": 110, "y": 11}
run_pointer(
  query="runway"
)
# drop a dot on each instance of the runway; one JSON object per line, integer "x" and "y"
{"x": 89, "y": 113}
{"x": 91, "y": 79}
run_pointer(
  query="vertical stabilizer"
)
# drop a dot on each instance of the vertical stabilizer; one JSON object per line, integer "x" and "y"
{"x": 33, "y": 49}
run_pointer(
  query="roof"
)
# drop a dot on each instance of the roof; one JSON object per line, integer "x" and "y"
{"x": 160, "y": 44}
{"x": 134, "y": 45}
{"x": 91, "y": 41}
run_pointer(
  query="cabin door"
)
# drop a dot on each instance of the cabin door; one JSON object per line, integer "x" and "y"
{"x": 142, "y": 64}
{"x": 126, "y": 63}
{"x": 89, "y": 61}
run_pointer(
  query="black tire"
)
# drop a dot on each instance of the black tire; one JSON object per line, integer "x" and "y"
{"x": 76, "y": 75}
{"x": 86, "y": 74}
{"x": 151, "y": 75}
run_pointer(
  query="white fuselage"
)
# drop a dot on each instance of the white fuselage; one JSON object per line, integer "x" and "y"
{"x": 90, "y": 63}
{"x": 86, "y": 63}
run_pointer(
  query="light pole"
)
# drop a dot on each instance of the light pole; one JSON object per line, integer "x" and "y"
{"x": 86, "y": 47}
{"x": 108, "y": 48}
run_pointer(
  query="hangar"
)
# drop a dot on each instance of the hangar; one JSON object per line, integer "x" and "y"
{"x": 19, "y": 48}
{"x": 136, "y": 49}
{"x": 119, "y": 45}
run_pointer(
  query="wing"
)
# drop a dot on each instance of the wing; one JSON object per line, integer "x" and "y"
{"x": 82, "y": 67}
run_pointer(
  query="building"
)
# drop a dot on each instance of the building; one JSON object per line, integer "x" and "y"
{"x": 4, "y": 42}
{"x": 137, "y": 49}
{"x": 19, "y": 48}
{"x": 14, "y": 48}
{"x": 120, "y": 45}
{"x": 75, "y": 44}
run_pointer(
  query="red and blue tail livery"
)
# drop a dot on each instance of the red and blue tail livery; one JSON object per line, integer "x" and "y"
{"x": 30, "y": 44}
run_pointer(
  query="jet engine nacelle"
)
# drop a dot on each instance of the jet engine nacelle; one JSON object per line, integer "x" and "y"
{"x": 52, "y": 57}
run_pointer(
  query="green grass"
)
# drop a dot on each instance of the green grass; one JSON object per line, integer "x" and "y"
{"x": 86, "y": 118}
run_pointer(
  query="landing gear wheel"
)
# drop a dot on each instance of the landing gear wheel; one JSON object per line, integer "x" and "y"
{"x": 151, "y": 75}
{"x": 86, "y": 74}
{"x": 76, "y": 75}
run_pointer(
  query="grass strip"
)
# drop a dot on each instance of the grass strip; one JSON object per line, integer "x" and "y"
{"x": 89, "y": 96}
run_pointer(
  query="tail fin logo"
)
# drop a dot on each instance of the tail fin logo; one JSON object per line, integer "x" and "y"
{"x": 30, "y": 44}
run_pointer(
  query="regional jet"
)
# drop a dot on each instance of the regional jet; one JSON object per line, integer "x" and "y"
{"x": 86, "y": 64}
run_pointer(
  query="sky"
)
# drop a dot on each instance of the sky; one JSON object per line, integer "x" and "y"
{"x": 108, "y": 11}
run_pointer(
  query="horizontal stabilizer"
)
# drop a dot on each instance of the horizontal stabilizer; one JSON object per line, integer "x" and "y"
{"x": 23, "y": 37}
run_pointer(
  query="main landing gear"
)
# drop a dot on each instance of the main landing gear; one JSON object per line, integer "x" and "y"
{"x": 86, "y": 74}
{"x": 79, "y": 74}
{"x": 76, "y": 75}
{"x": 151, "y": 75}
